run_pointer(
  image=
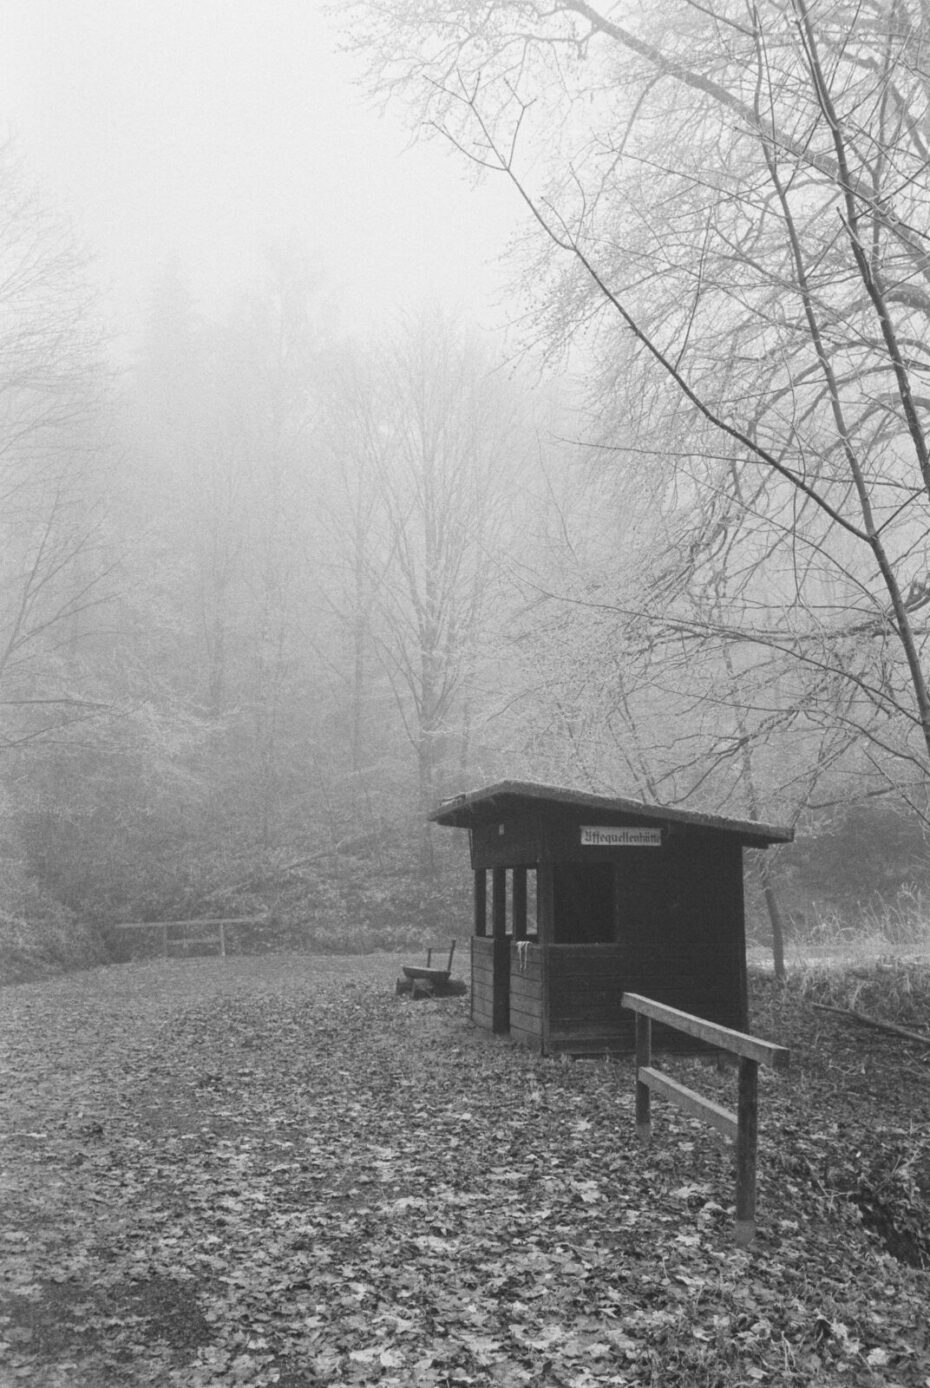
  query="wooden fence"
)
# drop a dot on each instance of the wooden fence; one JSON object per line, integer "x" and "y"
{"x": 742, "y": 1126}
{"x": 170, "y": 936}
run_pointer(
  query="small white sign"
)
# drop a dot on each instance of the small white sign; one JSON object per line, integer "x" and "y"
{"x": 603, "y": 836}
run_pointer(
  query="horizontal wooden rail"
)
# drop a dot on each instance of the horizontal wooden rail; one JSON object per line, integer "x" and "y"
{"x": 719, "y": 1117}
{"x": 741, "y": 1126}
{"x": 724, "y": 1038}
{"x": 218, "y": 923}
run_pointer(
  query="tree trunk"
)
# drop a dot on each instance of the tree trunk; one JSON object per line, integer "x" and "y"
{"x": 775, "y": 916}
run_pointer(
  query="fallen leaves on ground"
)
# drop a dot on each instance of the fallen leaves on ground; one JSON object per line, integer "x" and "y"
{"x": 273, "y": 1171}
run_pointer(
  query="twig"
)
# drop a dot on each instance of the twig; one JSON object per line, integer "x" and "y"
{"x": 863, "y": 1017}
{"x": 279, "y": 870}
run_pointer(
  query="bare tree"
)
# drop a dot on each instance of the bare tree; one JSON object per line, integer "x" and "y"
{"x": 355, "y": 556}
{"x": 230, "y": 465}
{"x": 740, "y": 203}
{"x": 56, "y": 552}
{"x": 430, "y": 449}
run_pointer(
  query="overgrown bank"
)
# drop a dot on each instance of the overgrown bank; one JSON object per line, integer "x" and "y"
{"x": 331, "y": 915}
{"x": 275, "y": 1172}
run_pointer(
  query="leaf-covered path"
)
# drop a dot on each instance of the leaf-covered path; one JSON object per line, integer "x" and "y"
{"x": 275, "y": 1172}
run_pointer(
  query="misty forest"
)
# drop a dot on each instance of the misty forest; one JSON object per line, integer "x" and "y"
{"x": 275, "y": 587}
{"x": 281, "y": 572}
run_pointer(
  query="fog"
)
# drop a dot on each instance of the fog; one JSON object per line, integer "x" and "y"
{"x": 322, "y": 550}
{"x": 206, "y": 133}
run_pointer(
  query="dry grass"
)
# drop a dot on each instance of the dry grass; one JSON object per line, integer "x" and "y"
{"x": 875, "y": 933}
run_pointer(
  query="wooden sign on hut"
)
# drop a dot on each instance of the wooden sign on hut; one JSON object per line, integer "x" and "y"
{"x": 592, "y": 896}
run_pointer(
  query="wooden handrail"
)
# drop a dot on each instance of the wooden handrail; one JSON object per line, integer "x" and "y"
{"x": 742, "y": 1125}
{"x": 724, "y": 1038}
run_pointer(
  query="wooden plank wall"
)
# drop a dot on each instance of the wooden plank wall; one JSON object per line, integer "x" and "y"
{"x": 490, "y": 983}
{"x": 482, "y": 982}
{"x": 586, "y": 984}
{"x": 526, "y": 994}
{"x": 685, "y": 941}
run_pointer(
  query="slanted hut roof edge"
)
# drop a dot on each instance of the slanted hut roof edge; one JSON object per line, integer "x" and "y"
{"x": 487, "y": 802}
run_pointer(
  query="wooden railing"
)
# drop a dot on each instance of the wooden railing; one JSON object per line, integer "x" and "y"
{"x": 216, "y": 926}
{"x": 742, "y": 1126}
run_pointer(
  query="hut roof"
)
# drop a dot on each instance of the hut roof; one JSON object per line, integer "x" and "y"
{"x": 520, "y": 797}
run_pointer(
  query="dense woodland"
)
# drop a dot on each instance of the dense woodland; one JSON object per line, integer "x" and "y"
{"x": 272, "y": 589}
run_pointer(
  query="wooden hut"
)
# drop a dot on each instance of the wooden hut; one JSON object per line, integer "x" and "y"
{"x": 592, "y": 896}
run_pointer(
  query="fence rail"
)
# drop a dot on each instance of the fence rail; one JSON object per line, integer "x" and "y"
{"x": 216, "y": 925}
{"x": 741, "y": 1126}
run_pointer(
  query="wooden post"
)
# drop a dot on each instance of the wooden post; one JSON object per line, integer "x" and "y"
{"x": 164, "y": 940}
{"x": 544, "y": 974}
{"x": 499, "y": 902}
{"x": 501, "y": 1003}
{"x": 643, "y": 1060}
{"x": 223, "y": 939}
{"x": 545, "y": 903}
{"x": 545, "y": 925}
{"x": 519, "y": 903}
{"x": 747, "y": 1136}
{"x": 481, "y": 902}
{"x": 742, "y": 1126}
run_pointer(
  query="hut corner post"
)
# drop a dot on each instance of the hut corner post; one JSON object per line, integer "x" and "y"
{"x": 501, "y": 947}
{"x": 481, "y": 903}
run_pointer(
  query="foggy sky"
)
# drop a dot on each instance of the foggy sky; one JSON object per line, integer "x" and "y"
{"x": 207, "y": 130}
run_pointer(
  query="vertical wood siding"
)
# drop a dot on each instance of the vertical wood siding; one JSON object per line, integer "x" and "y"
{"x": 526, "y": 994}
{"x": 490, "y": 983}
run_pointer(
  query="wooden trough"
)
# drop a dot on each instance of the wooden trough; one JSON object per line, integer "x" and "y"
{"x": 424, "y": 980}
{"x": 425, "y": 971}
